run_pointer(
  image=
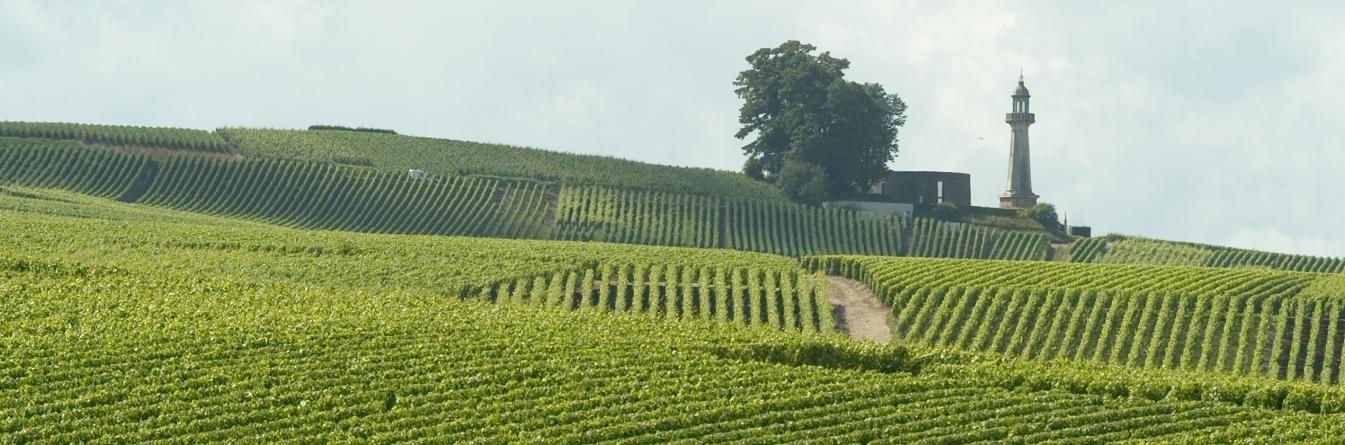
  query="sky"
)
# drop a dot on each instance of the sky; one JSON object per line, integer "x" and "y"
{"x": 1218, "y": 122}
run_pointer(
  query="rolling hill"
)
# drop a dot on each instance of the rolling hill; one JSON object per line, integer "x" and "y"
{"x": 172, "y": 285}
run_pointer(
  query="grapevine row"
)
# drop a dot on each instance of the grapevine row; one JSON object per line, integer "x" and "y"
{"x": 323, "y": 196}
{"x": 939, "y": 239}
{"x": 1124, "y": 249}
{"x": 177, "y": 362}
{"x": 149, "y": 137}
{"x": 1234, "y": 321}
{"x": 600, "y": 214}
{"x": 103, "y": 173}
{"x": 750, "y": 296}
{"x": 796, "y": 230}
{"x": 443, "y": 157}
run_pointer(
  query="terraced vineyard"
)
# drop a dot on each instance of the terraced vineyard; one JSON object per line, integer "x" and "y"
{"x": 136, "y": 324}
{"x": 1284, "y": 325}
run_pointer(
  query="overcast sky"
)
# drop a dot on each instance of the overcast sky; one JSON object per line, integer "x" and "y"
{"x": 1210, "y": 121}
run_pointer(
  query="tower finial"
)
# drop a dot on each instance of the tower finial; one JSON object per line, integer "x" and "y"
{"x": 1020, "y": 74}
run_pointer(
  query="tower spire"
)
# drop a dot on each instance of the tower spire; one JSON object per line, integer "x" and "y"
{"x": 1019, "y": 192}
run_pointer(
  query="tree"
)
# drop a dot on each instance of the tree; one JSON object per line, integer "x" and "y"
{"x": 1045, "y": 214}
{"x": 801, "y": 108}
{"x": 803, "y": 182}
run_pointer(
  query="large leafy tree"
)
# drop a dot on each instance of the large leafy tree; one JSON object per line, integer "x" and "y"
{"x": 809, "y": 122}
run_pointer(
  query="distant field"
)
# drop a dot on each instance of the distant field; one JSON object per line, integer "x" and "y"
{"x": 358, "y": 181}
{"x": 128, "y": 323}
{"x": 338, "y": 197}
{"x": 443, "y": 157}
{"x": 1135, "y": 250}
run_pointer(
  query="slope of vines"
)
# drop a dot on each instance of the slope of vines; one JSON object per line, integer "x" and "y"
{"x": 738, "y": 287}
{"x": 194, "y": 329}
{"x": 391, "y": 152}
{"x": 1236, "y": 321}
{"x": 149, "y": 137}
{"x": 313, "y": 195}
{"x": 1125, "y": 249}
{"x": 939, "y": 239}
{"x": 588, "y": 213}
{"x": 796, "y": 230}
{"x": 103, "y": 173}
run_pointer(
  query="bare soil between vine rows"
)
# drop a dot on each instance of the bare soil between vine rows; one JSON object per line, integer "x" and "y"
{"x": 857, "y": 310}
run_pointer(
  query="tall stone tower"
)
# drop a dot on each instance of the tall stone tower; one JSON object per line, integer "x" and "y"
{"x": 1019, "y": 194}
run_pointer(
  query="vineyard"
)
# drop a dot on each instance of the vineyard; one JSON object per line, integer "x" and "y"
{"x": 354, "y": 179}
{"x": 311, "y": 195}
{"x": 1284, "y": 325}
{"x": 938, "y": 239}
{"x": 332, "y": 196}
{"x": 147, "y": 137}
{"x": 442, "y": 157}
{"x": 127, "y": 323}
{"x": 1127, "y": 250}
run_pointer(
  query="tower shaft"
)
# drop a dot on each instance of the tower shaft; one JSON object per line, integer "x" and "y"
{"x": 1019, "y": 192}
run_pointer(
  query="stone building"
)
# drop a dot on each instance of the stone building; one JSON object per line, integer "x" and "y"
{"x": 1019, "y": 193}
{"x": 927, "y": 187}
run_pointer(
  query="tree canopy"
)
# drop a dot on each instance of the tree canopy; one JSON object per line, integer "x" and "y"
{"x": 810, "y": 121}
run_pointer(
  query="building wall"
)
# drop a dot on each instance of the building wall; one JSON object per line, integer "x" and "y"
{"x": 883, "y": 208}
{"x": 923, "y": 187}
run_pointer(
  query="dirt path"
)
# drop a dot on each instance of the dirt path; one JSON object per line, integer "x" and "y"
{"x": 857, "y": 311}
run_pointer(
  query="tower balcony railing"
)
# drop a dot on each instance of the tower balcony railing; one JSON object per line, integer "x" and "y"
{"x": 1020, "y": 117}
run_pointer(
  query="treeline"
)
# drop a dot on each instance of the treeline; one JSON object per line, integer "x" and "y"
{"x": 344, "y": 128}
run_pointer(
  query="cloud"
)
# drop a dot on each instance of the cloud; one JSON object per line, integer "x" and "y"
{"x": 1191, "y": 121}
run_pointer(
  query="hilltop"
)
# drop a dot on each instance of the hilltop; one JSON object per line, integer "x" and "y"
{"x": 357, "y": 180}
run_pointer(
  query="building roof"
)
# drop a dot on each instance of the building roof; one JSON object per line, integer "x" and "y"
{"x": 1022, "y": 90}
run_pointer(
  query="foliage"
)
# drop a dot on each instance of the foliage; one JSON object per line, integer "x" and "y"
{"x": 803, "y": 182}
{"x": 1045, "y": 214}
{"x": 343, "y": 128}
{"x": 801, "y": 108}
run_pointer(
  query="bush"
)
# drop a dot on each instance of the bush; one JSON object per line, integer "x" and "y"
{"x": 1045, "y": 214}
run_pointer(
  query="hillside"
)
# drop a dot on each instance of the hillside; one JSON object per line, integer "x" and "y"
{"x": 357, "y": 181}
{"x": 145, "y": 323}
{"x": 341, "y": 197}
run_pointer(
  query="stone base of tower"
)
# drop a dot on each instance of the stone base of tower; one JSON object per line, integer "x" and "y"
{"x": 1017, "y": 201}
